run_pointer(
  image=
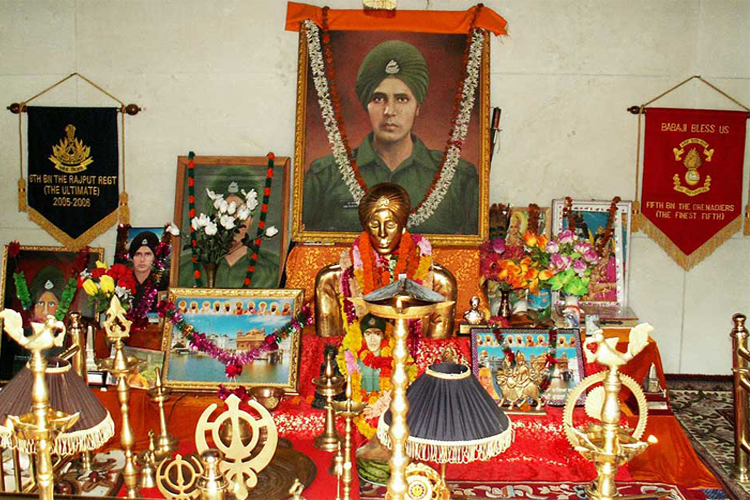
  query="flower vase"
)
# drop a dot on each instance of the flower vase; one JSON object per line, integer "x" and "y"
{"x": 520, "y": 305}
{"x": 504, "y": 309}
{"x": 572, "y": 311}
{"x": 210, "y": 268}
{"x": 541, "y": 303}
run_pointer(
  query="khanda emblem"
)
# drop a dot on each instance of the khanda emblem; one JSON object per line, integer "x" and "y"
{"x": 692, "y": 161}
{"x": 71, "y": 155}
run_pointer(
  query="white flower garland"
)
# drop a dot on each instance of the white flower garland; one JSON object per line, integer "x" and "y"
{"x": 326, "y": 110}
{"x": 458, "y": 134}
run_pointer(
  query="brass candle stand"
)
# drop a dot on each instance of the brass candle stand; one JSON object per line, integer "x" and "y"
{"x": 166, "y": 443}
{"x": 117, "y": 327}
{"x": 349, "y": 409}
{"x": 43, "y": 423}
{"x": 329, "y": 386}
{"x": 401, "y": 301}
{"x": 741, "y": 386}
{"x": 212, "y": 484}
{"x": 607, "y": 444}
{"x": 148, "y": 464}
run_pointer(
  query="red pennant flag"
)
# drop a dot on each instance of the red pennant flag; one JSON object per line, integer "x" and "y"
{"x": 691, "y": 200}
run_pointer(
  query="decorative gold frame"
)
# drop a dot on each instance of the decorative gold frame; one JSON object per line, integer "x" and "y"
{"x": 300, "y": 234}
{"x": 7, "y": 274}
{"x": 257, "y": 162}
{"x": 289, "y": 386}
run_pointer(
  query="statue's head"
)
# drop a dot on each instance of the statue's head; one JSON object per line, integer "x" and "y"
{"x": 383, "y": 213}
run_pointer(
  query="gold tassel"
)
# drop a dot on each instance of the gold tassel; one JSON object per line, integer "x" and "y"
{"x": 21, "y": 195}
{"x": 635, "y": 223}
{"x": 746, "y": 229}
{"x": 124, "y": 209}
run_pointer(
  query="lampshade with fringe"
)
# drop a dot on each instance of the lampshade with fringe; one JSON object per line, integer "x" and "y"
{"x": 69, "y": 394}
{"x": 451, "y": 418}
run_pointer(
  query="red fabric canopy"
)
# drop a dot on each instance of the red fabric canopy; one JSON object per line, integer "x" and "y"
{"x": 421, "y": 21}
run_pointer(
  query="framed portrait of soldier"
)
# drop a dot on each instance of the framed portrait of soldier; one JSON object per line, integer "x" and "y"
{"x": 233, "y": 179}
{"x": 382, "y": 108}
{"x": 38, "y": 281}
{"x": 147, "y": 251}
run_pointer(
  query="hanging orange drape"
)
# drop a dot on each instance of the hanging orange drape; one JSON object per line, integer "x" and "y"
{"x": 420, "y": 21}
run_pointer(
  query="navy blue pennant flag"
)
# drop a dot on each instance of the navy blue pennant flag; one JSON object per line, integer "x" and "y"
{"x": 73, "y": 184}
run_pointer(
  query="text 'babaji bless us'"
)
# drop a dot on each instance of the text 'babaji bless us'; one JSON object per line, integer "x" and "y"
{"x": 696, "y": 128}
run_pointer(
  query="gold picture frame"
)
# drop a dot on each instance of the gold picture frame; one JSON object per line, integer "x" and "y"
{"x": 432, "y": 125}
{"x": 30, "y": 260}
{"x": 187, "y": 370}
{"x": 253, "y": 170}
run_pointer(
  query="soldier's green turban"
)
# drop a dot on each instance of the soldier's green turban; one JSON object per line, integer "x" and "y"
{"x": 392, "y": 58}
{"x": 48, "y": 279}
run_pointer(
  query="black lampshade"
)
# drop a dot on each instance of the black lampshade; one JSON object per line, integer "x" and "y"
{"x": 452, "y": 418}
{"x": 69, "y": 394}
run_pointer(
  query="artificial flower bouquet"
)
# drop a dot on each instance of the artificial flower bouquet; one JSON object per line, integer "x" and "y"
{"x": 571, "y": 259}
{"x": 104, "y": 282}
{"x": 214, "y": 233}
{"x": 513, "y": 267}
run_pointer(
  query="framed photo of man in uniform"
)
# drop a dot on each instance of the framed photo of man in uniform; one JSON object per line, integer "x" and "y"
{"x": 396, "y": 95}
{"x": 230, "y": 177}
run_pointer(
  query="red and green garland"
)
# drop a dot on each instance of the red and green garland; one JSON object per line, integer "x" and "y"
{"x": 232, "y": 360}
{"x": 68, "y": 293}
{"x": 261, "y": 223}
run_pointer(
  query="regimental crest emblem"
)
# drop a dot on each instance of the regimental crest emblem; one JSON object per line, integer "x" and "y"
{"x": 692, "y": 161}
{"x": 71, "y": 155}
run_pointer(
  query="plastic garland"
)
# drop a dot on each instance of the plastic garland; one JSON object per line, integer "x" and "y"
{"x": 261, "y": 223}
{"x": 232, "y": 360}
{"x": 324, "y": 77}
{"x": 550, "y": 361}
{"x": 68, "y": 293}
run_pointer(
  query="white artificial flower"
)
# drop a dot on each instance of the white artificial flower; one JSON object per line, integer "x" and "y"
{"x": 227, "y": 221}
{"x": 251, "y": 199}
{"x": 212, "y": 195}
{"x": 222, "y": 205}
{"x": 272, "y": 231}
{"x": 211, "y": 229}
{"x": 200, "y": 221}
{"x": 122, "y": 292}
{"x": 232, "y": 208}
{"x": 173, "y": 230}
{"x": 243, "y": 213}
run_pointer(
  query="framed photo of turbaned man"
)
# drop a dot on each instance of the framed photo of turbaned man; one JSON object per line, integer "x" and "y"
{"x": 409, "y": 108}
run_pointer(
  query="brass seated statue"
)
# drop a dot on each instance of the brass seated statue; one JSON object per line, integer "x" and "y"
{"x": 376, "y": 256}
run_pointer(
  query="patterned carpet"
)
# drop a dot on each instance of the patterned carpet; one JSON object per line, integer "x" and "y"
{"x": 545, "y": 490}
{"x": 707, "y": 415}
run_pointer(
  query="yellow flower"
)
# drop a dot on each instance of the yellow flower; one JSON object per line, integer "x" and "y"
{"x": 90, "y": 287}
{"x": 101, "y": 265}
{"x": 107, "y": 284}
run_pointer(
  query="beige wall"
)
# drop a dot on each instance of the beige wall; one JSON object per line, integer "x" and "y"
{"x": 219, "y": 78}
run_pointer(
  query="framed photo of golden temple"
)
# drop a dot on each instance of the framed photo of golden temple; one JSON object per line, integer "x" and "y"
{"x": 228, "y": 337}
{"x": 411, "y": 108}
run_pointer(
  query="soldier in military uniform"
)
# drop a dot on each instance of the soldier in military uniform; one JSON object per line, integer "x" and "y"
{"x": 392, "y": 84}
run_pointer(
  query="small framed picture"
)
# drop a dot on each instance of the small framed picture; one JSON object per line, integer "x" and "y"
{"x": 609, "y": 278}
{"x": 36, "y": 281}
{"x": 512, "y": 364}
{"x": 234, "y": 322}
{"x": 148, "y": 252}
{"x": 144, "y": 374}
{"x": 522, "y": 219}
